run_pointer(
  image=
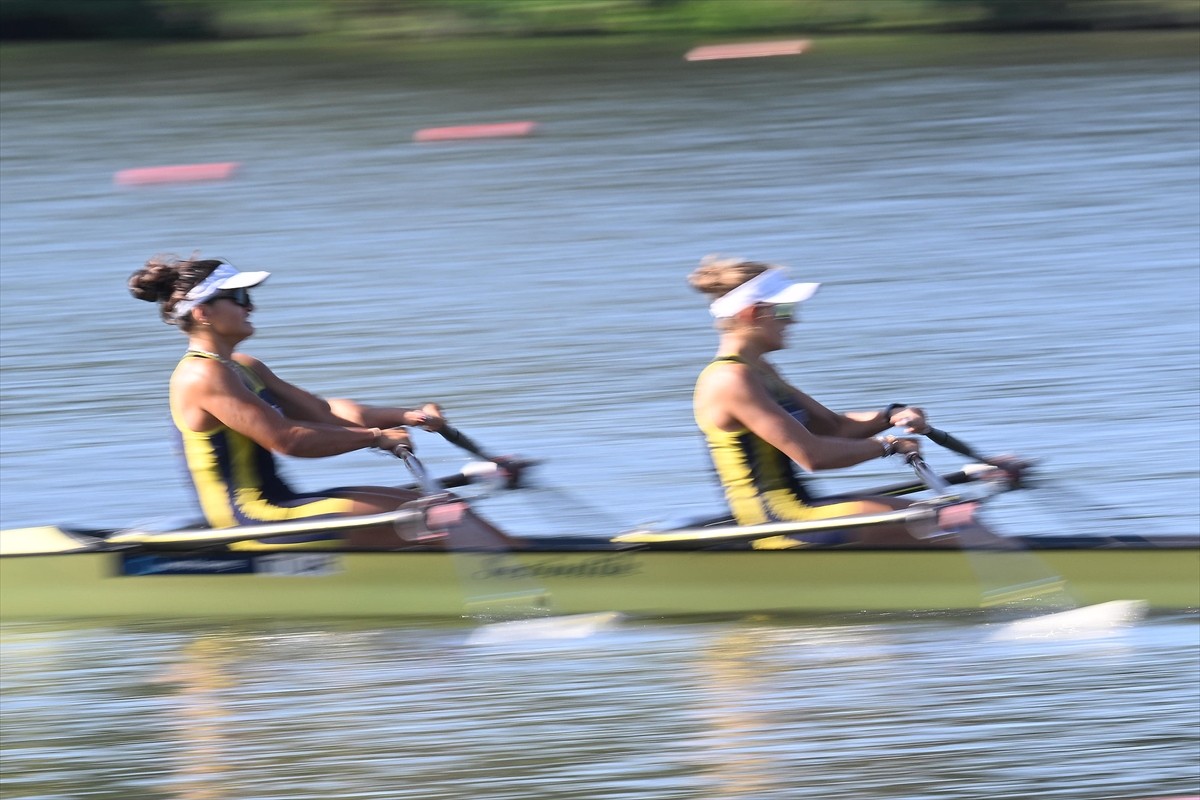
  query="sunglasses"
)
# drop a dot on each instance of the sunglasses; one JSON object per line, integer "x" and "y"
{"x": 239, "y": 297}
{"x": 783, "y": 312}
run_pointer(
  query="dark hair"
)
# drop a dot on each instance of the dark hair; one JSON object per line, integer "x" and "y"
{"x": 166, "y": 279}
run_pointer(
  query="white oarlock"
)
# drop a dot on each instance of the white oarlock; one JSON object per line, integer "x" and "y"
{"x": 487, "y": 473}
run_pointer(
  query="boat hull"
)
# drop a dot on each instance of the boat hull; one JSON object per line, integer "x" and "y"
{"x": 634, "y": 582}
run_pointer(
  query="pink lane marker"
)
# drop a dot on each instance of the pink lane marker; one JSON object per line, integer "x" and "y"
{"x": 494, "y": 130}
{"x": 180, "y": 173}
{"x": 791, "y": 47}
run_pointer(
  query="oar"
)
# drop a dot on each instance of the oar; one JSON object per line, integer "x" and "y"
{"x": 954, "y": 443}
{"x": 931, "y": 479}
{"x": 1024, "y": 585}
{"x": 459, "y": 439}
{"x": 1013, "y": 468}
{"x": 442, "y": 509}
{"x": 975, "y": 538}
{"x": 501, "y": 593}
{"x": 425, "y": 483}
{"x": 510, "y": 468}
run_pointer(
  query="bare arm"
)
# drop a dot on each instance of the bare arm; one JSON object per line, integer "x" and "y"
{"x": 206, "y": 392}
{"x": 304, "y": 405}
{"x": 853, "y": 424}
{"x": 732, "y": 396}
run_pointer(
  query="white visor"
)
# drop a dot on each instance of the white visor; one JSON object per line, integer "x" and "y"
{"x": 771, "y": 286}
{"x": 223, "y": 277}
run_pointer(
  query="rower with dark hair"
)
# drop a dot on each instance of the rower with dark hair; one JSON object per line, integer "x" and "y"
{"x": 233, "y": 413}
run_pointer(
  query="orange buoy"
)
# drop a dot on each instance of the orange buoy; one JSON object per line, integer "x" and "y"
{"x": 493, "y": 130}
{"x": 179, "y": 173}
{"x": 791, "y": 47}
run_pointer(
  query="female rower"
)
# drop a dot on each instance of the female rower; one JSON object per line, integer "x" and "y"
{"x": 759, "y": 427}
{"x": 233, "y": 413}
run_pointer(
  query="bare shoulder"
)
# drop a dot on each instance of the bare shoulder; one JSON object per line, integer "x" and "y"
{"x": 726, "y": 379}
{"x": 191, "y": 369}
{"x": 198, "y": 375}
{"x": 254, "y": 365}
{"x": 247, "y": 360}
{"x": 726, "y": 370}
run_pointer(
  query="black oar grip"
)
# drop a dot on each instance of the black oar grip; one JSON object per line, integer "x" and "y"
{"x": 951, "y": 443}
{"x": 510, "y": 467}
{"x": 457, "y": 438}
{"x": 1014, "y": 468}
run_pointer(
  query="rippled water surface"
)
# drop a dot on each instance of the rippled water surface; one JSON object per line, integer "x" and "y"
{"x": 842, "y": 709}
{"x": 1008, "y": 230}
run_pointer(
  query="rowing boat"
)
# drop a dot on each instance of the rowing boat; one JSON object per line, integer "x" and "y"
{"x": 702, "y": 567}
{"x": 579, "y": 576}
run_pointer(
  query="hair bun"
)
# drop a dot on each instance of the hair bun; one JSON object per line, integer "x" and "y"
{"x": 718, "y": 274}
{"x": 156, "y": 281}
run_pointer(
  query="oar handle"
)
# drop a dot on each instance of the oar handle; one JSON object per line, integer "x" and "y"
{"x": 1012, "y": 467}
{"x": 953, "y": 443}
{"x": 510, "y": 467}
{"x": 459, "y": 439}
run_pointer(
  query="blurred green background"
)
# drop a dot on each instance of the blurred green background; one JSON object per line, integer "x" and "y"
{"x": 410, "y": 19}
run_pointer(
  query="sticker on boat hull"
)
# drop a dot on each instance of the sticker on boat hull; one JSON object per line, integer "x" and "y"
{"x": 278, "y": 564}
{"x": 307, "y": 564}
{"x": 604, "y": 566}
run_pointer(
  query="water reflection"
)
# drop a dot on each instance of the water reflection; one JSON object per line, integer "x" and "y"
{"x": 748, "y": 748}
{"x": 200, "y": 680}
{"x": 712, "y": 710}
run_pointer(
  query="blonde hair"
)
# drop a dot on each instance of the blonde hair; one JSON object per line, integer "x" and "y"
{"x": 719, "y": 274}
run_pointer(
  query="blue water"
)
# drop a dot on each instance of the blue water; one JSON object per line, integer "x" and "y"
{"x": 752, "y": 709}
{"x": 1008, "y": 233}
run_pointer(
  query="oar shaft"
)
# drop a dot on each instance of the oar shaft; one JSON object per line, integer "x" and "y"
{"x": 428, "y": 485}
{"x": 510, "y": 468}
{"x": 1011, "y": 466}
{"x": 459, "y": 439}
{"x": 927, "y": 474}
{"x": 953, "y": 443}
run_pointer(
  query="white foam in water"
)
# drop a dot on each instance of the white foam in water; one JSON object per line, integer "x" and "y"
{"x": 1078, "y": 623}
{"x": 573, "y": 626}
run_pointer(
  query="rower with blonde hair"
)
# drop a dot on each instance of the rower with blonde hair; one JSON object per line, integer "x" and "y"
{"x": 759, "y": 427}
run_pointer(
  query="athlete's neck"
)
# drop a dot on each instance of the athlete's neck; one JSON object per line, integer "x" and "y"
{"x": 745, "y": 348}
{"x": 211, "y": 347}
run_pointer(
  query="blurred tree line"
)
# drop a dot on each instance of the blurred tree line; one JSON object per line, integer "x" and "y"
{"x": 236, "y": 19}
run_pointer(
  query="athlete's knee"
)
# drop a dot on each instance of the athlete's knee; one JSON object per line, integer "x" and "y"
{"x": 370, "y": 499}
{"x": 879, "y": 505}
